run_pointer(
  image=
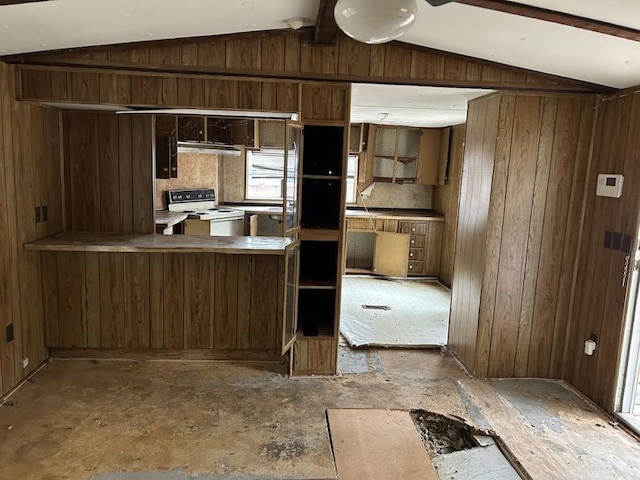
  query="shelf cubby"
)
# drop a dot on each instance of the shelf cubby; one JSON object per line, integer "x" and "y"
{"x": 316, "y": 312}
{"x": 323, "y": 150}
{"x": 318, "y": 263}
{"x": 321, "y": 203}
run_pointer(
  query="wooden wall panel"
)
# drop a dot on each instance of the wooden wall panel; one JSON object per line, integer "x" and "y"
{"x": 108, "y": 172}
{"x": 281, "y": 54}
{"x": 598, "y": 304}
{"x": 527, "y": 245}
{"x": 29, "y": 177}
{"x": 472, "y": 219}
{"x": 146, "y": 301}
{"x": 445, "y": 201}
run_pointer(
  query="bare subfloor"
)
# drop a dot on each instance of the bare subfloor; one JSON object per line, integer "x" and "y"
{"x": 165, "y": 420}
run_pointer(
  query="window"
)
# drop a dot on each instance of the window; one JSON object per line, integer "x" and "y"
{"x": 352, "y": 174}
{"x": 265, "y": 174}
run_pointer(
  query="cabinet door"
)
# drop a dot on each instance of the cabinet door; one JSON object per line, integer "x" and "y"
{"x": 430, "y": 152}
{"x": 166, "y": 157}
{"x": 390, "y": 253}
{"x": 191, "y": 129}
{"x": 291, "y": 193}
{"x": 384, "y": 154}
{"x": 290, "y": 320}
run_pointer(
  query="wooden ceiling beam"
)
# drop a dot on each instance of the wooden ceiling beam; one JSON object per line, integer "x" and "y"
{"x": 555, "y": 17}
{"x": 18, "y": 2}
{"x": 326, "y": 31}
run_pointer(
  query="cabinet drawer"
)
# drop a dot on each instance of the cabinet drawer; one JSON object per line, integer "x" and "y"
{"x": 417, "y": 228}
{"x": 416, "y": 254}
{"x": 417, "y": 241}
{"x": 415, "y": 267}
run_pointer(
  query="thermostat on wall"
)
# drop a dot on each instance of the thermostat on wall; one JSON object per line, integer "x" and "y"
{"x": 610, "y": 185}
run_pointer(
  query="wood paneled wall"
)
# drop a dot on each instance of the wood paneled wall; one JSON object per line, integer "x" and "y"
{"x": 473, "y": 211}
{"x": 197, "y": 301}
{"x": 598, "y": 306}
{"x": 29, "y": 177}
{"x": 108, "y": 162}
{"x": 315, "y": 100}
{"x": 445, "y": 201}
{"x": 529, "y": 233}
{"x": 294, "y": 55}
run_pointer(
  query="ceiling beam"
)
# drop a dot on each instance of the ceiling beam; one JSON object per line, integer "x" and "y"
{"x": 556, "y": 17}
{"x": 18, "y": 2}
{"x": 326, "y": 31}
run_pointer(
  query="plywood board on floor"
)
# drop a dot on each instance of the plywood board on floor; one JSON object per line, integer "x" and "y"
{"x": 378, "y": 445}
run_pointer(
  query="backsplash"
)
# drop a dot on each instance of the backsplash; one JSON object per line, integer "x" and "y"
{"x": 391, "y": 195}
{"x": 195, "y": 170}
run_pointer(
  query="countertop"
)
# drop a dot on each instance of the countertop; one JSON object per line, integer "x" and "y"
{"x": 169, "y": 219}
{"x": 256, "y": 209}
{"x": 394, "y": 214}
{"x": 118, "y": 242}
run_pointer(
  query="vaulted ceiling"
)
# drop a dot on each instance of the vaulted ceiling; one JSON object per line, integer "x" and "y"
{"x": 460, "y": 28}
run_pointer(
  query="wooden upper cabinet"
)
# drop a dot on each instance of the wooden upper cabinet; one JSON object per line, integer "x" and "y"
{"x": 404, "y": 155}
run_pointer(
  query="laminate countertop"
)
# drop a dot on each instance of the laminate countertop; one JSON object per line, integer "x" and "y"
{"x": 257, "y": 209}
{"x": 119, "y": 242}
{"x": 169, "y": 219}
{"x": 395, "y": 214}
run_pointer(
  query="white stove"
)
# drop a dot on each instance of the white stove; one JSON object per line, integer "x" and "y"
{"x": 205, "y": 218}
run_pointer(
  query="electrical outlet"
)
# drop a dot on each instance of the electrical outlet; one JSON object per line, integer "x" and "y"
{"x": 25, "y": 362}
{"x": 589, "y": 347}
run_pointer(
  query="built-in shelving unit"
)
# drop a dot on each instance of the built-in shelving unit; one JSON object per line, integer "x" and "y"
{"x": 321, "y": 245}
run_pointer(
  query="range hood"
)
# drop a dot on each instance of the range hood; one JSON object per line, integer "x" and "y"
{"x": 209, "y": 148}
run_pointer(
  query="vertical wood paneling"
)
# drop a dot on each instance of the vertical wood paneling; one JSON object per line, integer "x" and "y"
{"x": 541, "y": 186}
{"x": 49, "y": 300}
{"x": 226, "y": 302}
{"x": 472, "y": 215}
{"x": 156, "y": 301}
{"x": 125, "y": 188}
{"x": 173, "y": 321}
{"x": 72, "y": 332}
{"x": 598, "y": 304}
{"x": 91, "y": 306}
{"x": 445, "y": 201}
{"x": 142, "y": 173}
{"x": 263, "y": 308}
{"x": 137, "y": 300}
{"x": 112, "y": 304}
{"x": 199, "y": 283}
{"x": 243, "y": 53}
{"x": 513, "y": 248}
{"x": 109, "y": 173}
{"x": 245, "y": 293}
{"x": 273, "y": 52}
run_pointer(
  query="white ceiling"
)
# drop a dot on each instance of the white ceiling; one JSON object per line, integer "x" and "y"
{"x": 410, "y": 106}
{"x": 528, "y": 43}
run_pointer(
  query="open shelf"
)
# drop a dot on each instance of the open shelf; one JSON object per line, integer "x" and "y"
{"x": 321, "y": 203}
{"x": 320, "y": 234}
{"x": 324, "y": 332}
{"x": 323, "y": 150}
{"x": 316, "y": 312}
{"x": 318, "y": 263}
{"x": 317, "y": 285}
{"x": 323, "y": 177}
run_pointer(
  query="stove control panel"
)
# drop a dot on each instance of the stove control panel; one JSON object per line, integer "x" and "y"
{"x": 197, "y": 195}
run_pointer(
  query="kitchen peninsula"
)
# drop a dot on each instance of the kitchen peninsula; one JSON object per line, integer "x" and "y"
{"x": 176, "y": 296}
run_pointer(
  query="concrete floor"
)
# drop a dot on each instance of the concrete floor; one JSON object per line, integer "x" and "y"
{"x": 166, "y": 420}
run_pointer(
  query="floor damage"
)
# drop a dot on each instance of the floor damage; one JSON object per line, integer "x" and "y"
{"x": 181, "y": 420}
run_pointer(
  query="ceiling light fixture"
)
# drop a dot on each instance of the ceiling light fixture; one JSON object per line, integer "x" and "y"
{"x": 375, "y": 21}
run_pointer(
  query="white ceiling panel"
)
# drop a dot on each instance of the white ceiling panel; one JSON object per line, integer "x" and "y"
{"x": 617, "y": 12}
{"x": 73, "y": 23}
{"x": 410, "y": 106}
{"x": 528, "y": 43}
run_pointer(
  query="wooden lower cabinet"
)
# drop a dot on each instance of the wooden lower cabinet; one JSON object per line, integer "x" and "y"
{"x": 425, "y": 243}
{"x": 315, "y": 356}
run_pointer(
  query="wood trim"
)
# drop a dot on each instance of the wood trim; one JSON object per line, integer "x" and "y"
{"x": 326, "y": 29}
{"x": 273, "y": 356}
{"x": 553, "y": 16}
{"x": 293, "y": 55}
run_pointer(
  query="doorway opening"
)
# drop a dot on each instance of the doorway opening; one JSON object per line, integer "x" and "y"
{"x": 628, "y": 391}
{"x": 403, "y": 179}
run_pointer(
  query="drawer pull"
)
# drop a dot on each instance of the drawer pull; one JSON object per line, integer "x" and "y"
{"x": 411, "y": 254}
{"x": 413, "y": 229}
{"x": 413, "y": 241}
{"x": 410, "y": 266}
